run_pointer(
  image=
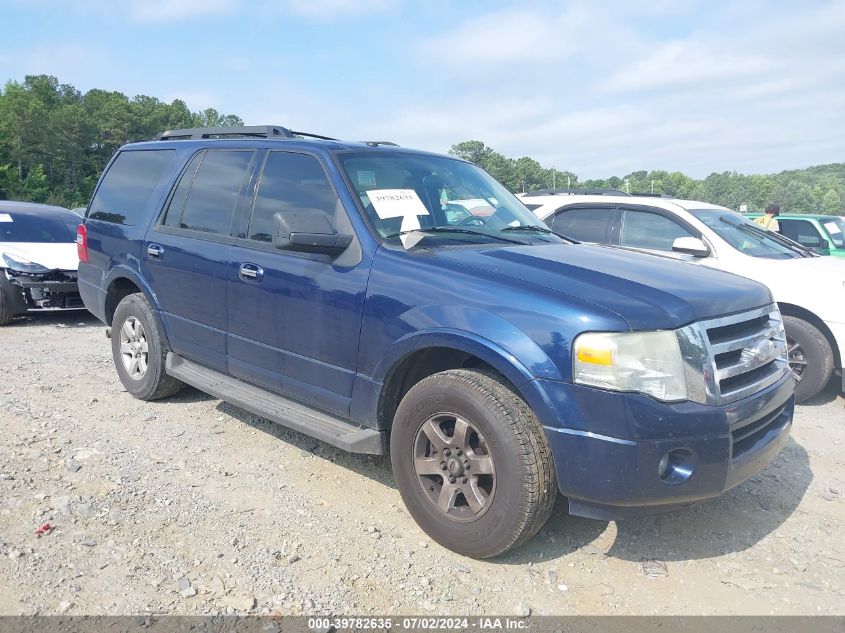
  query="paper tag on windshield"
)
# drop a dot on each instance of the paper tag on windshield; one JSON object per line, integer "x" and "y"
{"x": 399, "y": 203}
{"x": 5, "y": 217}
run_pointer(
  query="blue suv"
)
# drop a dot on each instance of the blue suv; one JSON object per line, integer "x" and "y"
{"x": 386, "y": 300}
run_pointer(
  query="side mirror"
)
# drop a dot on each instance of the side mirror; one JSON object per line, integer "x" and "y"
{"x": 690, "y": 246}
{"x": 308, "y": 233}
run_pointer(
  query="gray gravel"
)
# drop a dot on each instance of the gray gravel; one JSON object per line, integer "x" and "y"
{"x": 189, "y": 505}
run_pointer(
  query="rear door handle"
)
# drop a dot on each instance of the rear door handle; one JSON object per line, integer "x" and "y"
{"x": 251, "y": 272}
{"x": 154, "y": 250}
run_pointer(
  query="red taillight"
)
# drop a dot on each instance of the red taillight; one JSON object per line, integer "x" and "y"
{"x": 82, "y": 243}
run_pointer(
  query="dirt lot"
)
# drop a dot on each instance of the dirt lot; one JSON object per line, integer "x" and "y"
{"x": 189, "y": 505}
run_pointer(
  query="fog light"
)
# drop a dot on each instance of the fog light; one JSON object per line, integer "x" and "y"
{"x": 676, "y": 466}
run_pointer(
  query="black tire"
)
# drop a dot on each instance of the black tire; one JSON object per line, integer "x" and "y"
{"x": 153, "y": 383}
{"x": 810, "y": 356}
{"x": 505, "y": 430}
{"x": 6, "y": 316}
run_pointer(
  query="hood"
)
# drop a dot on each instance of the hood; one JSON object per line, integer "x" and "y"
{"x": 55, "y": 256}
{"x": 648, "y": 292}
{"x": 824, "y": 265}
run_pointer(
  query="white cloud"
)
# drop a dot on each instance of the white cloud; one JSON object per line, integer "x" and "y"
{"x": 327, "y": 9}
{"x": 690, "y": 86}
{"x": 163, "y": 10}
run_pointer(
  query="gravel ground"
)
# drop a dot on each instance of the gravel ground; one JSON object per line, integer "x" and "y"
{"x": 189, "y": 505}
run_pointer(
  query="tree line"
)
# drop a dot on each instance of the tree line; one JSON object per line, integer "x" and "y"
{"x": 819, "y": 189}
{"x": 55, "y": 141}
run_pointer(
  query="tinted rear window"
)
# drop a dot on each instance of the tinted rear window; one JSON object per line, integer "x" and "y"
{"x": 209, "y": 192}
{"x": 584, "y": 224}
{"x": 128, "y": 184}
{"x": 16, "y": 227}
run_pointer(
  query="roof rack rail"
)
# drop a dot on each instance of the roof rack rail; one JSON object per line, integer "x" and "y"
{"x": 646, "y": 194}
{"x": 575, "y": 192}
{"x": 242, "y": 131}
{"x": 310, "y": 135}
{"x": 377, "y": 143}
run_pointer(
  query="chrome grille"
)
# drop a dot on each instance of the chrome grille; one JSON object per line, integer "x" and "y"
{"x": 735, "y": 356}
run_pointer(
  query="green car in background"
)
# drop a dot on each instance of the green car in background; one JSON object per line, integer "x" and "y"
{"x": 824, "y": 234}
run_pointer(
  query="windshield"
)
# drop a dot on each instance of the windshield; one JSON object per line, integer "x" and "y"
{"x": 19, "y": 227}
{"x": 836, "y": 230}
{"x": 441, "y": 199}
{"x": 743, "y": 234}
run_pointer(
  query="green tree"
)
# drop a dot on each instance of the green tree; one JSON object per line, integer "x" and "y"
{"x": 55, "y": 141}
{"x": 35, "y": 185}
{"x": 831, "y": 202}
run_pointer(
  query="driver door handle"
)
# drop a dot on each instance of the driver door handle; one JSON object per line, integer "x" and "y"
{"x": 251, "y": 272}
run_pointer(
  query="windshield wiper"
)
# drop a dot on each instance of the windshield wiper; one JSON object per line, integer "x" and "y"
{"x": 775, "y": 237}
{"x": 454, "y": 229}
{"x": 538, "y": 229}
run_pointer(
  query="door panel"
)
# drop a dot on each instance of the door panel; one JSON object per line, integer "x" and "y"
{"x": 189, "y": 278}
{"x": 295, "y": 327}
{"x": 186, "y": 258}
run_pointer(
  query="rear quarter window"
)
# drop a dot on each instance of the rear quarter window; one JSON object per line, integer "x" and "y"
{"x": 126, "y": 188}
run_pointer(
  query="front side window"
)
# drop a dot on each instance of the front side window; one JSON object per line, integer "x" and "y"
{"x": 206, "y": 197}
{"x": 443, "y": 200}
{"x": 123, "y": 195}
{"x": 643, "y": 229}
{"x": 291, "y": 183}
{"x": 801, "y": 231}
{"x": 585, "y": 224}
{"x": 836, "y": 230}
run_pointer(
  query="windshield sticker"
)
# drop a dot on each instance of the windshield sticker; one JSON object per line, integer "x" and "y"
{"x": 5, "y": 217}
{"x": 399, "y": 203}
{"x": 367, "y": 178}
{"x": 832, "y": 227}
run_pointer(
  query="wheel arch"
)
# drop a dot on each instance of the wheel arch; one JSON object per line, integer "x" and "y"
{"x": 789, "y": 309}
{"x": 425, "y": 354}
{"x": 120, "y": 283}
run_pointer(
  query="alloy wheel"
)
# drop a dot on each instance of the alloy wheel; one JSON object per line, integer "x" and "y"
{"x": 134, "y": 351}
{"x": 797, "y": 361}
{"x": 454, "y": 467}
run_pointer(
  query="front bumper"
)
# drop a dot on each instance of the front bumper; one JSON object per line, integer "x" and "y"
{"x": 57, "y": 290}
{"x": 608, "y": 477}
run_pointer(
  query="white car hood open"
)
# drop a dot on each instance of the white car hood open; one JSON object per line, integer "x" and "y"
{"x": 61, "y": 256}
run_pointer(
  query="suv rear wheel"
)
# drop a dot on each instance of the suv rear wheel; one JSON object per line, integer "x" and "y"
{"x": 472, "y": 463}
{"x": 139, "y": 351}
{"x": 810, "y": 357}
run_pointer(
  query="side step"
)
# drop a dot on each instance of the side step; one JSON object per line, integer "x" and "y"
{"x": 299, "y": 417}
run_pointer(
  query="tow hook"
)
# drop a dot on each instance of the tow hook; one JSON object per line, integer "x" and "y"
{"x": 108, "y": 332}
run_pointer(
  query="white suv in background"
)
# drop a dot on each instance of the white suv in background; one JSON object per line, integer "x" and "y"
{"x": 809, "y": 289}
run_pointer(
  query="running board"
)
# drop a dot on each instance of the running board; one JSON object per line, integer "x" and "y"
{"x": 293, "y": 415}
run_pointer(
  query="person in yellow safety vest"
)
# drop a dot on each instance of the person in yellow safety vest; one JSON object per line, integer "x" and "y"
{"x": 768, "y": 221}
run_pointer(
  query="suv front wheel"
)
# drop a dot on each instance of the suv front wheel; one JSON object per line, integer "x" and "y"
{"x": 472, "y": 463}
{"x": 139, "y": 351}
{"x": 810, "y": 357}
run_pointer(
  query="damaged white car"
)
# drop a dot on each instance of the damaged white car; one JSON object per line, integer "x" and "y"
{"x": 38, "y": 259}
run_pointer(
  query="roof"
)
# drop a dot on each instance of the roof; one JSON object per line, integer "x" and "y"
{"x": 312, "y": 145}
{"x": 621, "y": 198}
{"x": 29, "y": 208}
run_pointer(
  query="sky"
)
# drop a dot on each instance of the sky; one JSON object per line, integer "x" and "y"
{"x": 597, "y": 88}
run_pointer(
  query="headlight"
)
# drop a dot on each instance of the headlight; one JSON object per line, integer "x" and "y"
{"x": 647, "y": 362}
{"x": 24, "y": 266}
